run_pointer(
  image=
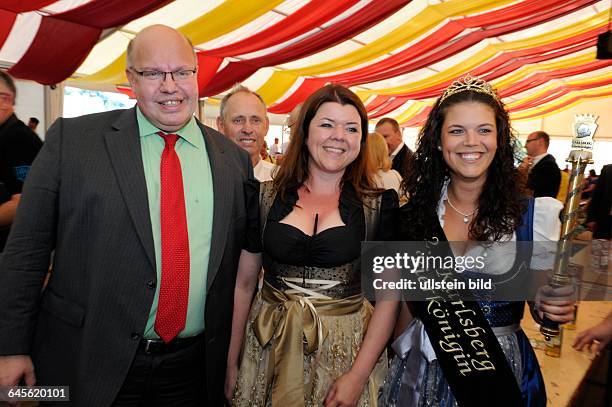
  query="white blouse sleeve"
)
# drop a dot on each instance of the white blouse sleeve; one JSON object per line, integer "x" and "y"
{"x": 546, "y": 228}
{"x": 396, "y": 180}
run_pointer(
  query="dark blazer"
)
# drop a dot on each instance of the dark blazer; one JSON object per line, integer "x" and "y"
{"x": 545, "y": 177}
{"x": 601, "y": 204}
{"x": 402, "y": 161}
{"x": 86, "y": 198}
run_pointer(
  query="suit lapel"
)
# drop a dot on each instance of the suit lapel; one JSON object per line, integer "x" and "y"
{"x": 398, "y": 161}
{"x": 123, "y": 144}
{"x": 223, "y": 197}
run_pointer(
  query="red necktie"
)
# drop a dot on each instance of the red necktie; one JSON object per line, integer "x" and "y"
{"x": 174, "y": 289}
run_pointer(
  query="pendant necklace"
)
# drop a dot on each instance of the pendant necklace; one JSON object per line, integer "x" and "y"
{"x": 466, "y": 216}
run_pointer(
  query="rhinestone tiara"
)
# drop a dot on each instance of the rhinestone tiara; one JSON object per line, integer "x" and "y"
{"x": 467, "y": 83}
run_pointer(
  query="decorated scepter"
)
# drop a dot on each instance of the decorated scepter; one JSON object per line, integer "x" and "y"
{"x": 579, "y": 157}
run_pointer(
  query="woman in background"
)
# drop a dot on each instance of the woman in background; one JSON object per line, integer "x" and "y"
{"x": 380, "y": 163}
{"x": 311, "y": 337}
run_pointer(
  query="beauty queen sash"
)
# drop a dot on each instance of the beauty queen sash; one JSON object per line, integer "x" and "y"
{"x": 466, "y": 348}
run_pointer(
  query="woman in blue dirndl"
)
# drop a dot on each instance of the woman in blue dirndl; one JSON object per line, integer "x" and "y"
{"x": 463, "y": 187}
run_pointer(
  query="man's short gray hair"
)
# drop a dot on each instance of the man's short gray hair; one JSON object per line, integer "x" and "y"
{"x": 237, "y": 88}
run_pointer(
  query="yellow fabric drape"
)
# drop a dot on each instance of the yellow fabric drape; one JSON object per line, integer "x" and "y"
{"x": 491, "y": 50}
{"x": 525, "y": 71}
{"x": 575, "y": 82}
{"x": 593, "y": 94}
{"x": 530, "y": 114}
{"x": 273, "y": 90}
{"x": 411, "y": 30}
{"x": 411, "y": 111}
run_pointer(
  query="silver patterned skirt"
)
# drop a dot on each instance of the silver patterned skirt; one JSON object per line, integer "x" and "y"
{"x": 416, "y": 379}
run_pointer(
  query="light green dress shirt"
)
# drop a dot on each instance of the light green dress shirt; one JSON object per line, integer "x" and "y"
{"x": 198, "y": 188}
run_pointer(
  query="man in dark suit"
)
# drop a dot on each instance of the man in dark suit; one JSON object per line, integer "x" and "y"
{"x": 399, "y": 152}
{"x": 599, "y": 214}
{"x": 544, "y": 176}
{"x": 145, "y": 209}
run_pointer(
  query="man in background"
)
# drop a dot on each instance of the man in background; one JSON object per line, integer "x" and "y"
{"x": 599, "y": 213}
{"x": 399, "y": 153}
{"x": 275, "y": 148}
{"x": 544, "y": 176}
{"x": 244, "y": 120}
{"x": 33, "y": 123}
{"x": 18, "y": 147}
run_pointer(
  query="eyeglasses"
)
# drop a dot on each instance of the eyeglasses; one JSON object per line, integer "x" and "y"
{"x": 533, "y": 139}
{"x": 6, "y": 96}
{"x": 160, "y": 76}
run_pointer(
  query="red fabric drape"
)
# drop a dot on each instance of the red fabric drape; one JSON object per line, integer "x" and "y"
{"x": 506, "y": 62}
{"x": 110, "y": 13}
{"x": 491, "y": 24}
{"x": 566, "y": 103}
{"x": 64, "y": 40}
{"x": 53, "y": 57}
{"x": 389, "y": 107}
{"x": 440, "y": 44}
{"x": 494, "y": 23}
{"x": 542, "y": 77}
{"x": 21, "y": 6}
{"x": 377, "y": 102}
{"x": 558, "y": 92}
{"x": 519, "y": 62}
{"x": 418, "y": 119}
{"x": 363, "y": 19}
{"x": 126, "y": 91}
{"x": 207, "y": 68}
{"x": 512, "y": 60}
{"x": 7, "y": 19}
{"x": 304, "y": 91}
{"x": 310, "y": 16}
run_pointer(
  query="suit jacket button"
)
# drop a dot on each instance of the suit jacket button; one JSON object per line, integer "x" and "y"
{"x": 135, "y": 336}
{"x": 151, "y": 284}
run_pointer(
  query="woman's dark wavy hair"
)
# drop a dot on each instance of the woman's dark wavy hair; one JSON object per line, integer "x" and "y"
{"x": 501, "y": 203}
{"x": 294, "y": 170}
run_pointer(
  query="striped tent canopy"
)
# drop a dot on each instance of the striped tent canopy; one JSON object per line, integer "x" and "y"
{"x": 398, "y": 55}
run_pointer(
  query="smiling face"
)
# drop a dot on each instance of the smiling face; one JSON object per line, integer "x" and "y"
{"x": 245, "y": 122}
{"x": 334, "y": 137}
{"x": 469, "y": 140}
{"x": 168, "y": 104}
